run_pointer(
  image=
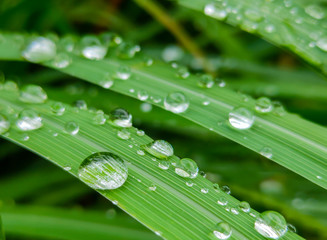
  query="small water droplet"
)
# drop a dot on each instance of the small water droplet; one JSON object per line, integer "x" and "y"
{"x": 71, "y": 128}
{"x": 123, "y": 72}
{"x": 222, "y": 201}
{"x": 271, "y": 224}
{"x": 244, "y": 206}
{"x": 67, "y": 168}
{"x": 24, "y": 137}
{"x": 61, "y": 61}
{"x": 225, "y": 189}
{"x": 142, "y": 95}
{"x": 146, "y": 107}
{"x": 263, "y": 105}
{"x": 29, "y": 120}
{"x": 40, "y": 49}
{"x": 33, "y": 94}
{"x": 4, "y": 124}
{"x": 204, "y": 190}
{"x": 153, "y": 187}
{"x": 99, "y": 118}
{"x": 189, "y": 183}
{"x": 58, "y": 108}
{"x": 202, "y": 174}
{"x": 156, "y": 99}
{"x": 291, "y": 228}
{"x": 315, "y": 11}
{"x": 140, "y": 152}
{"x": 103, "y": 170}
{"x": 216, "y": 187}
{"x": 127, "y": 50}
{"x": 92, "y": 48}
{"x": 183, "y": 72}
{"x": 241, "y": 118}
{"x": 266, "y": 152}
{"x": 107, "y": 81}
{"x": 187, "y": 168}
{"x": 206, "y": 103}
{"x": 160, "y": 149}
{"x": 222, "y": 230}
{"x": 121, "y": 118}
{"x": 322, "y": 43}
{"x": 216, "y": 10}
{"x": 176, "y": 102}
{"x": 115, "y": 202}
{"x": 140, "y": 133}
{"x": 163, "y": 164}
{"x": 206, "y": 81}
{"x": 124, "y": 134}
{"x": 81, "y": 104}
{"x": 147, "y": 61}
{"x": 234, "y": 211}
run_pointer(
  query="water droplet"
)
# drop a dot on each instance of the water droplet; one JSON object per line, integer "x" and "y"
{"x": 187, "y": 168}
{"x": 92, "y": 48}
{"x": 222, "y": 230}
{"x": 182, "y": 72}
{"x": 123, "y": 72}
{"x": 29, "y": 120}
{"x": 216, "y": 10}
{"x": 269, "y": 28}
{"x": 291, "y": 228}
{"x": 319, "y": 177}
{"x": 206, "y": 103}
{"x": 40, "y": 49}
{"x": 103, "y": 171}
{"x": 24, "y": 137}
{"x": 315, "y": 11}
{"x": 146, "y": 107}
{"x": 81, "y": 104}
{"x": 142, "y": 95}
{"x": 140, "y": 133}
{"x": 202, "y": 174}
{"x": 204, "y": 190}
{"x": 221, "y": 83}
{"x": 172, "y": 53}
{"x": 140, "y": 152}
{"x": 253, "y": 15}
{"x": 263, "y": 105}
{"x": 61, "y": 60}
{"x": 234, "y": 211}
{"x": 152, "y": 187}
{"x": 189, "y": 183}
{"x": 216, "y": 187}
{"x": 160, "y": 149}
{"x": 241, "y": 118}
{"x": 10, "y": 86}
{"x": 121, "y": 118}
{"x": 244, "y": 206}
{"x": 71, "y": 128}
{"x": 222, "y": 201}
{"x": 322, "y": 43}
{"x": 176, "y": 102}
{"x": 33, "y": 94}
{"x": 115, "y": 202}
{"x": 206, "y": 81}
{"x": 4, "y": 124}
{"x": 124, "y": 134}
{"x": 106, "y": 82}
{"x": 271, "y": 224}
{"x": 127, "y": 50}
{"x": 266, "y": 152}
{"x": 163, "y": 164}
{"x": 99, "y": 118}
{"x": 225, "y": 189}
{"x": 147, "y": 61}
{"x": 58, "y": 108}
{"x": 67, "y": 168}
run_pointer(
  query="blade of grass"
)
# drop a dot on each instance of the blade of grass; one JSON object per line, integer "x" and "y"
{"x": 174, "y": 210}
{"x": 2, "y": 232}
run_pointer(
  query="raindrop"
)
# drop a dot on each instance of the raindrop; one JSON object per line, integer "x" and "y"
{"x": 202, "y": 174}
{"x": 187, "y": 168}
{"x": 271, "y": 225}
{"x": 216, "y": 187}
{"x": 269, "y": 28}
{"x": 81, "y": 104}
{"x": 234, "y": 211}
{"x": 241, "y": 118}
{"x": 61, "y": 60}
{"x": 206, "y": 81}
{"x": 140, "y": 133}
{"x": 206, "y": 103}
{"x": 163, "y": 164}
{"x": 225, "y": 189}
{"x": 4, "y": 124}
{"x": 204, "y": 190}
{"x": 140, "y": 152}
{"x": 103, "y": 171}
{"x": 142, "y": 95}
{"x": 29, "y": 120}
{"x": 244, "y": 206}
{"x": 315, "y": 11}
{"x": 92, "y": 48}
{"x": 263, "y": 105}
{"x": 127, "y": 50}
{"x": 147, "y": 61}
{"x": 33, "y": 94}
{"x": 152, "y": 187}
{"x": 123, "y": 72}
{"x": 121, "y": 118}
{"x": 67, "y": 168}
{"x": 172, "y": 53}
{"x": 160, "y": 149}
{"x": 99, "y": 118}
{"x": 291, "y": 228}
{"x": 146, "y": 107}
{"x": 176, "y": 102}
{"x": 222, "y": 230}
{"x": 106, "y": 82}
{"x": 266, "y": 152}
{"x": 216, "y": 10}
{"x": 189, "y": 183}
{"x": 39, "y": 50}
{"x": 222, "y": 201}
{"x": 24, "y": 137}
{"x": 253, "y": 15}
{"x": 58, "y": 108}
{"x": 182, "y": 72}
{"x": 124, "y": 134}
{"x": 71, "y": 128}
{"x": 322, "y": 43}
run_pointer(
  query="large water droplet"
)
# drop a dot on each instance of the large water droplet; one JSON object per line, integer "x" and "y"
{"x": 29, "y": 120}
{"x": 216, "y": 10}
{"x": 103, "y": 171}
{"x": 61, "y": 60}
{"x": 39, "y": 50}
{"x": 222, "y": 230}
{"x": 322, "y": 43}
{"x": 271, "y": 225}
{"x": 121, "y": 118}
{"x": 71, "y": 128}
{"x": 160, "y": 149}
{"x": 176, "y": 102}
{"x": 315, "y": 11}
{"x": 4, "y": 124}
{"x": 187, "y": 168}
{"x": 33, "y": 94}
{"x": 241, "y": 118}
{"x": 92, "y": 48}
{"x": 263, "y": 105}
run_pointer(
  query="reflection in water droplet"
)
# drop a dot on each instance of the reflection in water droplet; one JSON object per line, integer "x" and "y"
{"x": 91, "y": 48}
{"x": 244, "y": 206}
{"x": 40, "y": 49}
{"x": 160, "y": 149}
{"x": 123, "y": 72}
{"x": 176, "y": 102}
{"x": 103, "y": 171}
{"x": 271, "y": 224}
{"x": 163, "y": 164}
{"x": 222, "y": 230}
{"x": 140, "y": 152}
{"x": 204, "y": 190}
{"x": 241, "y": 118}
{"x": 121, "y": 118}
{"x": 71, "y": 128}
{"x": 58, "y": 108}
{"x": 206, "y": 81}
{"x": 222, "y": 201}
{"x": 142, "y": 95}
{"x": 263, "y": 105}
{"x": 187, "y": 168}
{"x": 29, "y": 120}
{"x": 225, "y": 189}
{"x": 266, "y": 152}
{"x": 61, "y": 61}
{"x": 216, "y": 10}
{"x": 33, "y": 94}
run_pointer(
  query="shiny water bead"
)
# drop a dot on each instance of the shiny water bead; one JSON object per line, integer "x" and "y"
{"x": 146, "y": 107}
{"x": 140, "y": 133}
{"x": 187, "y": 168}
{"x": 124, "y": 134}
{"x": 71, "y": 127}
{"x": 142, "y": 95}
{"x": 40, "y": 49}
{"x": 291, "y": 228}
{"x": 271, "y": 225}
{"x": 109, "y": 39}
{"x": 127, "y": 50}
{"x": 234, "y": 211}
{"x": 216, "y": 187}
{"x": 103, "y": 171}
{"x": 183, "y": 72}
{"x": 163, "y": 164}
{"x": 160, "y": 149}
{"x": 81, "y": 104}
{"x": 29, "y": 120}
{"x": 123, "y": 72}
{"x": 322, "y": 43}
{"x": 222, "y": 230}
{"x": 172, "y": 53}
{"x": 153, "y": 187}
{"x": 99, "y": 118}
{"x": 222, "y": 201}
{"x": 216, "y": 10}
{"x": 263, "y": 105}
{"x": 225, "y": 189}
{"x": 67, "y": 43}
{"x": 241, "y": 118}
{"x": 315, "y": 11}
{"x": 206, "y": 81}
{"x": 107, "y": 81}
{"x": 253, "y": 15}
{"x": 61, "y": 60}
{"x": 244, "y": 206}
{"x": 4, "y": 124}
{"x": 266, "y": 152}
{"x": 204, "y": 190}
{"x": 189, "y": 183}
{"x": 91, "y": 48}
{"x": 121, "y": 118}
{"x": 140, "y": 152}
{"x": 58, "y": 108}
{"x": 10, "y": 86}
{"x": 176, "y": 102}
{"x": 33, "y": 94}
{"x": 148, "y": 61}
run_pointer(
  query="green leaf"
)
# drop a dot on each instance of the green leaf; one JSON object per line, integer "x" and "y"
{"x": 294, "y": 25}
{"x": 2, "y": 232}
{"x": 174, "y": 210}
